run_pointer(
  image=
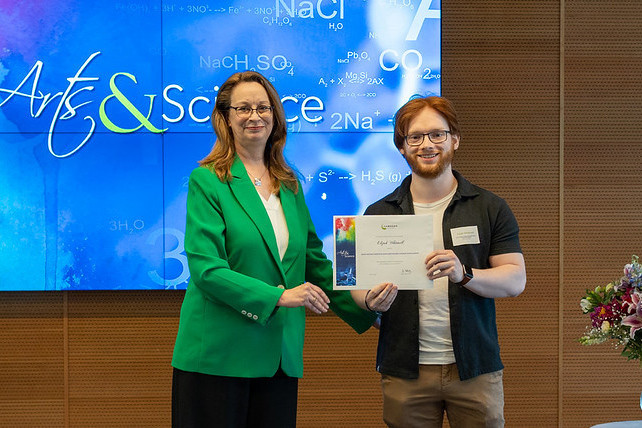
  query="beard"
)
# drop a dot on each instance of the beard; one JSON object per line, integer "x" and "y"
{"x": 431, "y": 171}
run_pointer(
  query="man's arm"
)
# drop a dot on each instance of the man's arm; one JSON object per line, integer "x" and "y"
{"x": 505, "y": 278}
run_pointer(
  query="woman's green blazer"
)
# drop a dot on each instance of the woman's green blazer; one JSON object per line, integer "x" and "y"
{"x": 230, "y": 324}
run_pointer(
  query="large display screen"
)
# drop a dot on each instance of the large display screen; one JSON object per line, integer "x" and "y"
{"x": 105, "y": 109}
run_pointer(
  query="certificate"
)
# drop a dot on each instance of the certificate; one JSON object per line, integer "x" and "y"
{"x": 369, "y": 250}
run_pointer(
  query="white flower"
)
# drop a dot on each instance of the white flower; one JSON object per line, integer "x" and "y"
{"x": 585, "y": 305}
{"x": 606, "y": 326}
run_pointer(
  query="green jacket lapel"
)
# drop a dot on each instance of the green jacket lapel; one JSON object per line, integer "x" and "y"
{"x": 293, "y": 221}
{"x": 250, "y": 201}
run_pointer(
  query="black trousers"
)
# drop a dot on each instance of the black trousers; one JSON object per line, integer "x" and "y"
{"x": 206, "y": 401}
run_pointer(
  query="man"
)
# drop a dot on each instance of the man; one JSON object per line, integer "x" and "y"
{"x": 438, "y": 348}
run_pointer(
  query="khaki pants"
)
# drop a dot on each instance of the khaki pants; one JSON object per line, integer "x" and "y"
{"x": 420, "y": 403}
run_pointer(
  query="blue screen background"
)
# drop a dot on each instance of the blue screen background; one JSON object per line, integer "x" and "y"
{"x": 104, "y": 112}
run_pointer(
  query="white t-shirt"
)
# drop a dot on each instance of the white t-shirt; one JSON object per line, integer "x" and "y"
{"x": 435, "y": 340}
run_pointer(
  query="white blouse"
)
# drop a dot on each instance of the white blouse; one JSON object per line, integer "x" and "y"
{"x": 277, "y": 218}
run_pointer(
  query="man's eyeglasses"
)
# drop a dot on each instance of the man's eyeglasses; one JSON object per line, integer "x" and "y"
{"x": 435, "y": 137}
{"x": 245, "y": 112}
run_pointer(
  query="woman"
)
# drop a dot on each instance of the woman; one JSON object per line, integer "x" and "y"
{"x": 251, "y": 247}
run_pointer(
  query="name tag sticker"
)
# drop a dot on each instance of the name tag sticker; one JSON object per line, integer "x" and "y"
{"x": 465, "y": 235}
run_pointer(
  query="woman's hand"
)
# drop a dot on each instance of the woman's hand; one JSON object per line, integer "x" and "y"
{"x": 308, "y": 295}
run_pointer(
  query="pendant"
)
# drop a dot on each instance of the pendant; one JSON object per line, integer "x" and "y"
{"x": 257, "y": 181}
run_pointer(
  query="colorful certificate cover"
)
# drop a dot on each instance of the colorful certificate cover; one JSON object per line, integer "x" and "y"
{"x": 345, "y": 261}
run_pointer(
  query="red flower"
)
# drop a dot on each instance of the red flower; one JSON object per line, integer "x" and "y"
{"x": 610, "y": 313}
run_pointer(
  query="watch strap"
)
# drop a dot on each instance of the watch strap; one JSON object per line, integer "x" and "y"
{"x": 468, "y": 275}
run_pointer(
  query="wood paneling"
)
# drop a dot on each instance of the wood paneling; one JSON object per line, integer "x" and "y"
{"x": 32, "y": 358}
{"x": 602, "y": 173}
{"x": 340, "y": 387}
{"x": 501, "y": 69}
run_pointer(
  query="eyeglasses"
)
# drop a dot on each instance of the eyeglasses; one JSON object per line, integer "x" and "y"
{"x": 435, "y": 137}
{"x": 245, "y": 112}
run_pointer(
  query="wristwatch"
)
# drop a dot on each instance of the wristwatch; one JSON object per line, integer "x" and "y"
{"x": 468, "y": 275}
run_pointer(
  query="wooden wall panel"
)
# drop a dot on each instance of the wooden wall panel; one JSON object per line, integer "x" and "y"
{"x": 120, "y": 348}
{"x": 340, "y": 386}
{"x": 501, "y": 69}
{"x": 32, "y": 358}
{"x": 602, "y": 141}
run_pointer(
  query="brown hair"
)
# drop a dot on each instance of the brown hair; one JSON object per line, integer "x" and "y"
{"x": 221, "y": 157}
{"x": 408, "y": 111}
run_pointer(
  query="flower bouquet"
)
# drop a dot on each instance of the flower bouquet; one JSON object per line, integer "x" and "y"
{"x": 616, "y": 312}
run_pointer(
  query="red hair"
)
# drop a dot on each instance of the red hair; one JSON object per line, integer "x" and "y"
{"x": 408, "y": 111}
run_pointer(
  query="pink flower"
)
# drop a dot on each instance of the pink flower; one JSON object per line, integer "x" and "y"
{"x": 634, "y": 321}
{"x": 630, "y": 302}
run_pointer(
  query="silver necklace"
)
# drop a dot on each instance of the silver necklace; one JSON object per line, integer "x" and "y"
{"x": 257, "y": 181}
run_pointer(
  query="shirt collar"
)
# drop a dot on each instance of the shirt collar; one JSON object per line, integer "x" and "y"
{"x": 465, "y": 189}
